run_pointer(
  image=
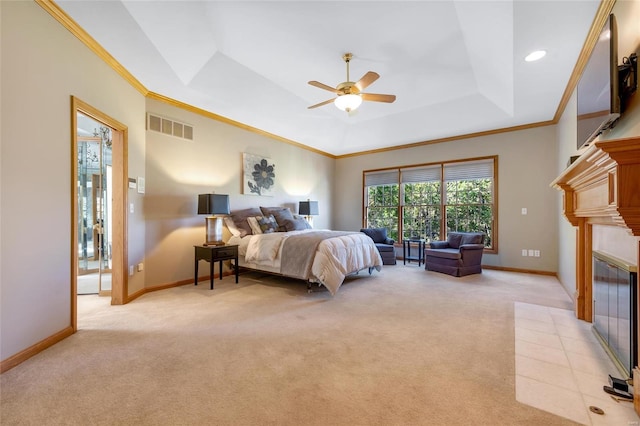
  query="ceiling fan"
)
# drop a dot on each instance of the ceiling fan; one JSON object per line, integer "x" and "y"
{"x": 350, "y": 94}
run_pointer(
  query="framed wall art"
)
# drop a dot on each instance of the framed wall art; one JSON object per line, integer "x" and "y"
{"x": 258, "y": 175}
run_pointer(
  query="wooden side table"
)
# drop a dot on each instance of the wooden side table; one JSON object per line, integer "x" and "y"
{"x": 214, "y": 254}
{"x": 406, "y": 250}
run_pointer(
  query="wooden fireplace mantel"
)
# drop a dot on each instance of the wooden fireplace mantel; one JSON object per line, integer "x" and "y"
{"x": 601, "y": 187}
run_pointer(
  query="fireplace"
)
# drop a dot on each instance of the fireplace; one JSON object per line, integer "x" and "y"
{"x": 601, "y": 198}
{"x": 614, "y": 309}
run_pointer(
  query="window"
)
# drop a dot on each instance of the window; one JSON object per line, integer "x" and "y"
{"x": 421, "y": 212}
{"x": 431, "y": 200}
{"x": 382, "y": 197}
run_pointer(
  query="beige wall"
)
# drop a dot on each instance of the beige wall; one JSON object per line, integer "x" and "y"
{"x": 179, "y": 170}
{"x": 628, "y": 19}
{"x": 527, "y": 164}
{"x": 567, "y": 134}
{"x": 42, "y": 66}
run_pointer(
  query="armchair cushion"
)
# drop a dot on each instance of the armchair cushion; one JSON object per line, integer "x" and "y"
{"x": 454, "y": 239}
{"x": 439, "y": 244}
{"x": 472, "y": 238}
{"x": 446, "y": 253}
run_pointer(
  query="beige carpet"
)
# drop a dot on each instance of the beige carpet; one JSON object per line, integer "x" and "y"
{"x": 400, "y": 347}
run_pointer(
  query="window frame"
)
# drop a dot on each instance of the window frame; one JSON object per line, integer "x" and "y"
{"x": 443, "y": 202}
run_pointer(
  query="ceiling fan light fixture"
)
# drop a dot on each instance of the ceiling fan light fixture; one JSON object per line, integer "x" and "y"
{"x": 348, "y": 103}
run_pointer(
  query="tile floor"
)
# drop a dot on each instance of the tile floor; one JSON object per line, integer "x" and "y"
{"x": 561, "y": 367}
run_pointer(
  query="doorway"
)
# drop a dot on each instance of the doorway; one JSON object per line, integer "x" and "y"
{"x": 95, "y": 192}
{"x": 99, "y": 198}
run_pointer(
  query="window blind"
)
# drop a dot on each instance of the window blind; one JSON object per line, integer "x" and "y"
{"x": 386, "y": 177}
{"x": 468, "y": 170}
{"x": 420, "y": 174}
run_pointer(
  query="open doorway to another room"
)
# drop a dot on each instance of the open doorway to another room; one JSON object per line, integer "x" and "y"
{"x": 99, "y": 196}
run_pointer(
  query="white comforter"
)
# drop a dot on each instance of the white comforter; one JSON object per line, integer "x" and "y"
{"x": 335, "y": 257}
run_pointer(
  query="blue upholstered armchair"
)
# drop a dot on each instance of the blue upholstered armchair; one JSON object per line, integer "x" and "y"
{"x": 460, "y": 255}
{"x": 383, "y": 243}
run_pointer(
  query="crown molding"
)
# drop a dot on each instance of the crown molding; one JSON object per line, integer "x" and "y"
{"x": 59, "y": 15}
{"x": 605, "y": 8}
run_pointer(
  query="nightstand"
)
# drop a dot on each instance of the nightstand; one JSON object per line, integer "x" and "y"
{"x": 214, "y": 254}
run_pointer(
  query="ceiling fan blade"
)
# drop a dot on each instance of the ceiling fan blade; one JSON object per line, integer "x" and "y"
{"x": 375, "y": 97}
{"x": 366, "y": 80}
{"x": 321, "y": 103}
{"x": 323, "y": 86}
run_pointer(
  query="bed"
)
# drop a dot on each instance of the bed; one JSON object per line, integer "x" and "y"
{"x": 275, "y": 241}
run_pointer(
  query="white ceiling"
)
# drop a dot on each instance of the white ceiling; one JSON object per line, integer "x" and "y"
{"x": 456, "y": 67}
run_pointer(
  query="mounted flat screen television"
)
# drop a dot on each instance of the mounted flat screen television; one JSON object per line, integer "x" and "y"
{"x": 597, "y": 93}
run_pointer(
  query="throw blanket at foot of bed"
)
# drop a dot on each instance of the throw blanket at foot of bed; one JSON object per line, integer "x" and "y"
{"x": 298, "y": 251}
{"x": 327, "y": 257}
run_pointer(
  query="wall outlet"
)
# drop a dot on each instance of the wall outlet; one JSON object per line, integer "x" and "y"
{"x": 524, "y": 252}
{"x": 140, "y": 267}
{"x": 531, "y": 253}
{"x": 536, "y": 253}
{"x": 524, "y": 210}
{"x": 130, "y": 269}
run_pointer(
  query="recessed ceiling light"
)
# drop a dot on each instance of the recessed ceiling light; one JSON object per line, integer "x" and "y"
{"x": 534, "y": 56}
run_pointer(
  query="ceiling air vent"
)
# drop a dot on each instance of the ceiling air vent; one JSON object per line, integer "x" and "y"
{"x": 169, "y": 127}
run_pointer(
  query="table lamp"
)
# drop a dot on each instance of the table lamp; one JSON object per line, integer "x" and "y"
{"x": 213, "y": 205}
{"x": 308, "y": 209}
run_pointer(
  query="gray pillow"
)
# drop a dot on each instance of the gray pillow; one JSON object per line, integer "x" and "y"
{"x": 281, "y": 214}
{"x": 240, "y": 219}
{"x": 296, "y": 224}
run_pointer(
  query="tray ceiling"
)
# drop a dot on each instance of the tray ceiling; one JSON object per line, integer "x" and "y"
{"x": 456, "y": 67}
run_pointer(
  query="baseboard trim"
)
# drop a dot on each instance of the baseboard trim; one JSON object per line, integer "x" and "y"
{"x": 523, "y": 271}
{"x": 24, "y": 355}
{"x": 171, "y": 285}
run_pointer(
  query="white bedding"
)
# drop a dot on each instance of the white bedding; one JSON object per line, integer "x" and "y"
{"x": 335, "y": 257}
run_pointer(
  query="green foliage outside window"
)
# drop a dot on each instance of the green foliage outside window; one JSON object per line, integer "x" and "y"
{"x": 464, "y": 205}
{"x": 421, "y": 215}
{"x": 469, "y": 207}
{"x": 382, "y": 208}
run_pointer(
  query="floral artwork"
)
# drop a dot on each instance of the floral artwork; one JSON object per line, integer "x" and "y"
{"x": 259, "y": 176}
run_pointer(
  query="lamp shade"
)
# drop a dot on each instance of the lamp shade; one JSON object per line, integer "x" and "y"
{"x": 308, "y": 208}
{"x": 213, "y": 204}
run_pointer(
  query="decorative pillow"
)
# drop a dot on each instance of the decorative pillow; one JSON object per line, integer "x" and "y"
{"x": 280, "y": 213}
{"x": 240, "y": 219}
{"x": 231, "y": 226}
{"x": 267, "y": 224}
{"x": 253, "y": 224}
{"x": 297, "y": 224}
